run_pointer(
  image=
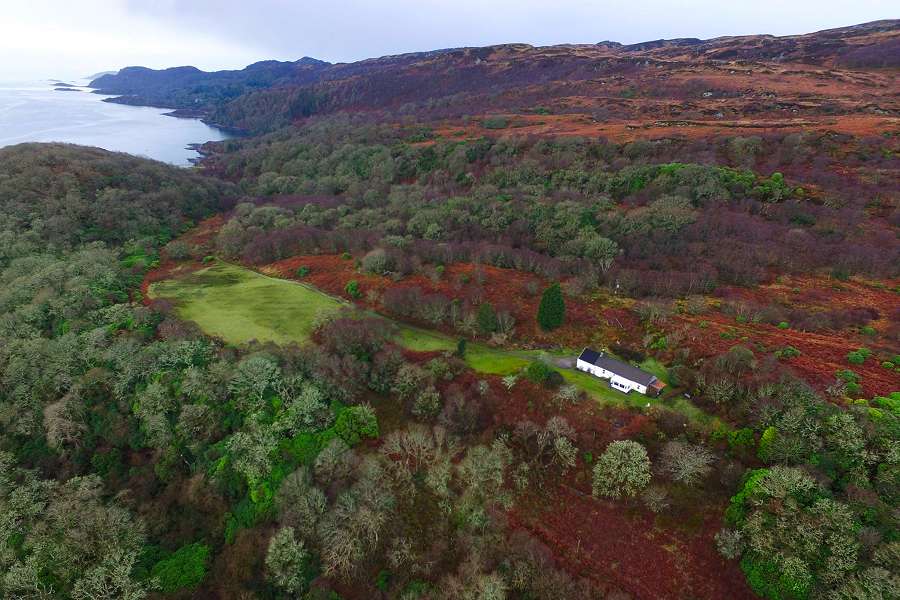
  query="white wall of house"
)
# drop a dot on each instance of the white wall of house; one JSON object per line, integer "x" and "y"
{"x": 616, "y": 381}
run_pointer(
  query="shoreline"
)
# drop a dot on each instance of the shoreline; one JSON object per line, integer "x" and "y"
{"x": 200, "y": 114}
{"x": 181, "y": 147}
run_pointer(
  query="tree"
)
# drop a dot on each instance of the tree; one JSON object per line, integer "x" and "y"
{"x": 334, "y": 462}
{"x": 184, "y": 570}
{"x": 552, "y": 310}
{"x": 623, "y": 470}
{"x": 254, "y": 378}
{"x": 110, "y": 579}
{"x": 797, "y": 540}
{"x": 599, "y": 250}
{"x": 306, "y": 410}
{"x": 409, "y": 380}
{"x": 288, "y": 562}
{"x": 251, "y": 452}
{"x": 685, "y": 462}
{"x": 355, "y": 423}
{"x": 427, "y": 404}
{"x": 75, "y": 541}
{"x": 377, "y": 262}
{"x": 487, "y": 319}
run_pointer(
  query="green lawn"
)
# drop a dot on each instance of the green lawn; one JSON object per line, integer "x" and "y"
{"x": 239, "y": 305}
{"x": 494, "y": 361}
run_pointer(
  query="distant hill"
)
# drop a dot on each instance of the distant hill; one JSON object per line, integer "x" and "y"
{"x": 270, "y": 94}
{"x": 100, "y": 74}
{"x": 190, "y": 88}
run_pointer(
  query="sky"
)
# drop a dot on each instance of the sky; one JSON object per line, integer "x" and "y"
{"x": 68, "y": 39}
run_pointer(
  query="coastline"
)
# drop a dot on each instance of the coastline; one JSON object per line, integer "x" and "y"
{"x": 200, "y": 114}
{"x": 32, "y": 112}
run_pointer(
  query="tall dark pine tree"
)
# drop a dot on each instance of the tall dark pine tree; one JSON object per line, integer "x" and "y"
{"x": 487, "y": 319}
{"x": 552, "y": 311}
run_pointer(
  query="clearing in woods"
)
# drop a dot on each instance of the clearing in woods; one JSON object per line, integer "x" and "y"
{"x": 238, "y": 305}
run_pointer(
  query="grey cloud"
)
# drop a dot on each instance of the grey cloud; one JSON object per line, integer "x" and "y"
{"x": 350, "y": 30}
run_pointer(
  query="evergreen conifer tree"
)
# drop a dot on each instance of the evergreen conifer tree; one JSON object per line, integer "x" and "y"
{"x": 552, "y": 310}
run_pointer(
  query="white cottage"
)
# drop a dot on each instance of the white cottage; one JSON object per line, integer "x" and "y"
{"x": 622, "y": 376}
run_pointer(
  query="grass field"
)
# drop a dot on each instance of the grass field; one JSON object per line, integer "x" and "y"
{"x": 239, "y": 305}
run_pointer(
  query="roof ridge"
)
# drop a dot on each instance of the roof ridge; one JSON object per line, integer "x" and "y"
{"x": 617, "y": 366}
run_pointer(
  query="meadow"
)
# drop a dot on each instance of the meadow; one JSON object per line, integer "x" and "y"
{"x": 239, "y": 305}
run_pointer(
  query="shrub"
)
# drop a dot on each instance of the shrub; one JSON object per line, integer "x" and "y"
{"x": 847, "y": 376}
{"x": 622, "y": 470}
{"x": 352, "y": 289}
{"x": 302, "y": 272}
{"x": 440, "y": 368}
{"x": 178, "y": 250}
{"x": 383, "y": 580}
{"x": 858, "y": 357}
{"x": 568, "y": 394}
{"x": 355, "y": 423}
{"x": 377, "y": 262}
{"x": 656, "y": 498}
{"x": 627, "y": 353}
{"x": 552, "y": 309}
{"x": 730, "y": 543}
{"x": 764, "y": 451}
{"x": 461, "y": 347}
{"x": 538, "y": 371}
{"x": 840, "y": 273}
{"x": 740, "y": 439}
{"x": 495, "y": 123}
{"x": 184, "y": 570}
{"x": 787, "y": 352}
{"x": 554, "y": 380}
{"x": 783, "y": 325}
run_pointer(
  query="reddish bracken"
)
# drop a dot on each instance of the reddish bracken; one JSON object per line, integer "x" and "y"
{"x": 609, "y": 544}
{"x": 505, "y": 289}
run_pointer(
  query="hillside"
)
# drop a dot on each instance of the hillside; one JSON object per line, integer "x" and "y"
{"x": 190, "y": 89}
{"x": 687, "y": 83}
{"x": 343, "y": 357}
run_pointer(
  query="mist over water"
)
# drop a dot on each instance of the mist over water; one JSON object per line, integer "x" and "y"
{"x": 35, "y": 112}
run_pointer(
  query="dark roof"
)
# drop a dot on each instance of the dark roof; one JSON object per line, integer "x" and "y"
{"x": 617, "y": 366}
{"x": 588, "y": 355}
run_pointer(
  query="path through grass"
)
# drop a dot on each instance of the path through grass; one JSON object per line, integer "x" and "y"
{"x": 238, "y": 305}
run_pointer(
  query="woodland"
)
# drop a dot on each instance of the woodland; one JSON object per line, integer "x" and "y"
{"x": 334, "y": 360}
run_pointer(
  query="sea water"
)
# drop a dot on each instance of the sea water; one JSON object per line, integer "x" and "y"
{"x": 36, "y": 112}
